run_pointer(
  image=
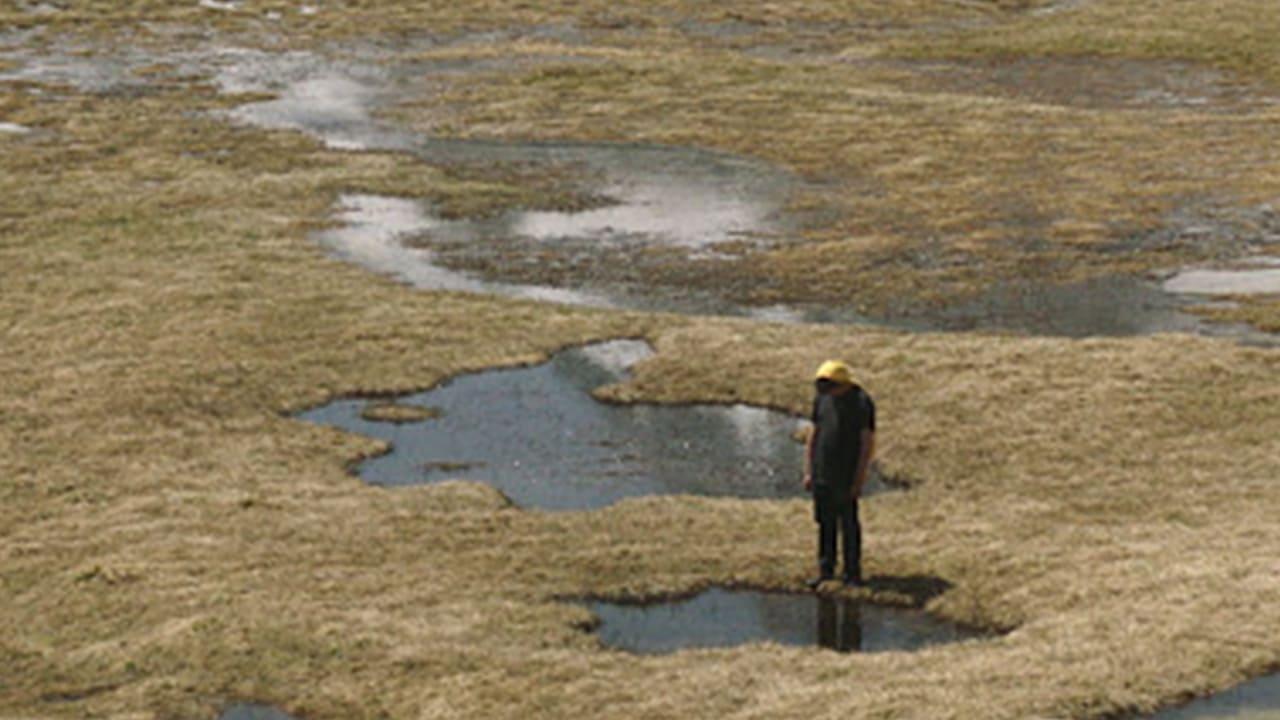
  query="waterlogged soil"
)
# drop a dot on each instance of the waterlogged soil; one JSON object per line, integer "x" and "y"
{"x": 537, "y": 435}
{"x": 723, "y": 618}
{"x": 644, "y": 227}
{"x": 1256, "y": 700}
{"x": 1093, "y": 83}
{"x": 253, "y": 711}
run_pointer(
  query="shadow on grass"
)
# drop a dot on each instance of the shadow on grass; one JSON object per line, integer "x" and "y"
{"x": 920, "y": 589}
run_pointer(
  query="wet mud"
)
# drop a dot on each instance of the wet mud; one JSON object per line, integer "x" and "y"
{"x": 1256, "y": 700}
{"x": 723, "y": 618}
{"x": 538, "y": 436}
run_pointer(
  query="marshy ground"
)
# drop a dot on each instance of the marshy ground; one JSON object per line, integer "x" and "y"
{"x": 175, "y": 542}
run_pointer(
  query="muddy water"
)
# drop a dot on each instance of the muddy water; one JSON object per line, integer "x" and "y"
{"x": 253, "y": 711}
{"x": 538, "y": 435}
{"x": 721, "y": 618}
{"x": 1257, "y": 700}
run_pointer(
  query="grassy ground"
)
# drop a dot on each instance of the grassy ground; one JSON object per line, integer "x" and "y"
{"x": 172, "y": 540}
{"x": 940, "y": 167}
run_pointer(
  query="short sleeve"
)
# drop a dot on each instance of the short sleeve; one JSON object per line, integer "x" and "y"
{"x": 813, "y": 413}
{"x": 871, "y": 413}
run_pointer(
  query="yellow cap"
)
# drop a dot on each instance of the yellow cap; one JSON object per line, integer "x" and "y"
{"x": 835, "y": 371}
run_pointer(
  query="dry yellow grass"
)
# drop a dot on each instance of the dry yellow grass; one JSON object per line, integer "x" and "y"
{"x": 393, "y": 412}
{"x": 172, "y": 540}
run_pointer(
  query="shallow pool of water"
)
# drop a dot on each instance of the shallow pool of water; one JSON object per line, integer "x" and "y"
{"x": 538, "y": 435}
{"x": 1256, "y": 700}
{"x": 721, "y": 618}
{"x": 1255, "y": 276}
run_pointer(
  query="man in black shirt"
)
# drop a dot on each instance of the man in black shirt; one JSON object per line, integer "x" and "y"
{"x": 837, "y": 458}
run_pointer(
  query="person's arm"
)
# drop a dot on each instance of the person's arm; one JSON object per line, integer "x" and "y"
{"x": 865, "y": 454}
{"x": 810, "y": 442}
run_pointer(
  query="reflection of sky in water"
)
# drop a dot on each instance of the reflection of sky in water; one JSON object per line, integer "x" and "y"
{"x": 664, "y": 195}
{"x": 538, "y": 435}
{"x": 1257, "y": 700}
{"x": 1263, "y": 279}
{"x": 372, "y": 236}
{"x": 720, "y": 618}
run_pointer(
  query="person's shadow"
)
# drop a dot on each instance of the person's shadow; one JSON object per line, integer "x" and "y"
{"x": 920, "y": 589}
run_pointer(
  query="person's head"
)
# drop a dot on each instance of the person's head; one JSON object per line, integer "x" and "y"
{"x": 833, "y": 377}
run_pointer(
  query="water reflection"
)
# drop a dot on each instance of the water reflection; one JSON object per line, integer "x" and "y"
{"x": 722, "y": 618}
{"x": 539, "y": 436}
{"x": 1257, "y": 700}
{"x": 839, "y": 624}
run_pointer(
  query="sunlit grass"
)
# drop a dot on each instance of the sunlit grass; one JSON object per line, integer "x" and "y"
{"x": 172, "y": 540}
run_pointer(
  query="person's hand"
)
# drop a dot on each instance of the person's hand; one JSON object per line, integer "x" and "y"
{"x": 808, "y": 482}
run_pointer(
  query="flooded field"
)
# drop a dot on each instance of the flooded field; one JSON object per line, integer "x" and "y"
{"x": 785, "y": 182}
{"x": 539, "y": 436}
{"x": 724, "y": 618}
{"x": 663, "y": 225}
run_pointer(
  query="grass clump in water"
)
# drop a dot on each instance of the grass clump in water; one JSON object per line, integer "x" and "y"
{"x": 392, "y": 412}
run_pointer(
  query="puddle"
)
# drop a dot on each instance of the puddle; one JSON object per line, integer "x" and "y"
{"x": 374, "y": 237}
{"x": 1256, "y": 700}
{"x": 538, "y": 436}
{"x": 1254, "y": 276}
{"x": 220, "y": 6}
{"x": 1109, "y": 306}
{"x": 722, "y": 618}
{"x": 659, "y": 195}
{"x": 253, "y": 711}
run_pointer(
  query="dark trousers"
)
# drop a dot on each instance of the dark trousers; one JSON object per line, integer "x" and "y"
{"x": 837, "y": 513}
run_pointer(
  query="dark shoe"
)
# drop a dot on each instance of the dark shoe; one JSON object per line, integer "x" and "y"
{"x": 814, "y": 583}
{"x": 854, "y": 582}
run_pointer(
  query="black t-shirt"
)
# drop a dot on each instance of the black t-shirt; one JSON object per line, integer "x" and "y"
{"x": 839, "y": 422}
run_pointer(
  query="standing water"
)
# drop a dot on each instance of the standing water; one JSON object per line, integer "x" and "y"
{"x": 538, "y": 435}
{"x": 721, "y": 618}
{"x": 1257, "y": 700}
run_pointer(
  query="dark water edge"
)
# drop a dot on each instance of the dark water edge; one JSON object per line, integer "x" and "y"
{"x": 1255, "y": 700}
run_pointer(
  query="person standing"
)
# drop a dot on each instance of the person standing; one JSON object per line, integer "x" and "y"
{"x": 838, "y": 456}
